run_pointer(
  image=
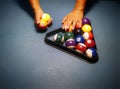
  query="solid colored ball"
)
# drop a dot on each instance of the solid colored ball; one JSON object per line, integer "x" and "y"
{"x": 43, "y": 23}
{"x": 79, "y": 39}
{"x": 46, "y": 17}
{"x": 85, "y": 21}
{"x": 80, "y": 47}
{"x": 58, "y": 38}
{"x": 88, "y": 35}
{"x": 68, "y": 35}
{"x": 86, "y": 28}
{"x": 92, "y": 53}
{"x": 70, "y": 43}
{"x": 77, "y": 31}
{"x": 90, "y": 43}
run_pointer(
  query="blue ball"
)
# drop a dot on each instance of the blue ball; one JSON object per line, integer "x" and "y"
{"x": 91, "y": 52}
{"x": 79, "y": 39}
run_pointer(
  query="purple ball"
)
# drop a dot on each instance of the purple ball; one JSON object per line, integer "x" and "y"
{"x": 85, "y": 21}
{"x": 70, "y": 43}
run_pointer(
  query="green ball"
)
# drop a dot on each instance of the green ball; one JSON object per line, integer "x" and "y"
{"x": 68, "y": 35}
{"x": 58, "y": 38}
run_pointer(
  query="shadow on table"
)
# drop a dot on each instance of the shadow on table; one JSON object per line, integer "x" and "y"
{"x": 89, "y": 5}
{"x": 25, "y": 5}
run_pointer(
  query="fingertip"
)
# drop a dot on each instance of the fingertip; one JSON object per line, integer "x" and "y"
{"x": 64, "y": 20}
{"x": 63, "y": 27}
{"x": 37, "y": 21}
{"x": 79, "y": 24}
{"x": 51, "y": 19}
{"x": 66, "y": 27}
{"x": 73, "y": 25}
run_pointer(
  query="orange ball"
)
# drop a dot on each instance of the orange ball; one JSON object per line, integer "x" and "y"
{"x": 43, "y": 23}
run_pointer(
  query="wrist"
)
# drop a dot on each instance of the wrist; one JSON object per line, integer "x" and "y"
{"x": 78, "y": 11}
{"x": 36, "y": 10}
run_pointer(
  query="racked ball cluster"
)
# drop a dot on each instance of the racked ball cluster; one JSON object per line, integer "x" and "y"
{"x": 79, "y": 39}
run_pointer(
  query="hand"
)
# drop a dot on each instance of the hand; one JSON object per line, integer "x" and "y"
{"x": 38, "y": 17}
{"x": 73, "y": 18}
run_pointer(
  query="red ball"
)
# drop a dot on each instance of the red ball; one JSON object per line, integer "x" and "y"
{"x": 88, "y": 35}
{"x": 80, "y": 47}
{"x": 90, "y": 43}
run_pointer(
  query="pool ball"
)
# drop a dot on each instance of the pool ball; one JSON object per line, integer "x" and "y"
{"x": 70, "y": 43}
{"x": 43, "y": 24}
{"x": 80, "y": 47}
{"x": 79, "y": 39}
{"x": 46, "y": 17}
{"x": 91, "y": 53}
{"x": 85, "y": 21}
{"x": 88, "y": 35}
{"x": 77, "y": 31}
{"x": 90, "y": 43}
{"x": 58, "y": 38}
{"x": 86, "y": 28}
{"x": 68, "y": 35}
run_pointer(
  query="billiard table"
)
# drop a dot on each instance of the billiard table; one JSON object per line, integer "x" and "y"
{"x": 27, "y": 62}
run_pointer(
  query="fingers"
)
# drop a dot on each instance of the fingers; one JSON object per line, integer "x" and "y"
{"x": 75, "y": 24}
{"x": 67, "y": 25}
{"x": 37, "y": 19}
{"x": 64, "y": 19}
{"x": 79, "y": 24}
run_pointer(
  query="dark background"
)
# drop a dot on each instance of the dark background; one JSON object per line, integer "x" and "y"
{"x": 27, "y": 62}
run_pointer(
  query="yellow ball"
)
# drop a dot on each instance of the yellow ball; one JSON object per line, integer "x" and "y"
{"x": 43, "y": 23}
{"x": 86, "y": 28}
{"x": 71, "y": 28}
{"x": 46, "y": 17}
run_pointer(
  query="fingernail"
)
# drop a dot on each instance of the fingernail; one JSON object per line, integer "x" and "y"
{"x": 37, "y": 21}
{"x": 63, "y": 27}
{"x": 66, "y": 27}
{"x": 80, "y": 26}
